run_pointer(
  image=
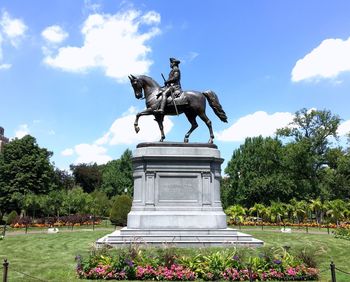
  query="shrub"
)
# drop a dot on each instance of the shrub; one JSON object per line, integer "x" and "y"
{"x": 11, "y": 217}
{"x": 342, "y": 233}
{"x": 120, "y": 209}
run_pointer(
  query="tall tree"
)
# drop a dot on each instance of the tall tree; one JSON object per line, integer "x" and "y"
{"x": 306, "y": 154}
{"x": 24, "y": 168}
{"x": 88, "y": 176}
{"x": 117, "y": 176}
{"x": 64, "y": 179}
{"x": 256, "y": 172}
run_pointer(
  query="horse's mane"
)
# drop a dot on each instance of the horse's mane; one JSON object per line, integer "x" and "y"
{"x": 148, "y": 78}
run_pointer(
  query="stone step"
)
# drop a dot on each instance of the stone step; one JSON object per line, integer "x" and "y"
{"x": 176, "y": 232}
{"x": 184, "y": 243}
{"x": 181, "y": 238}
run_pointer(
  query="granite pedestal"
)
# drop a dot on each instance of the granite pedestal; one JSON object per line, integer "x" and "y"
{"x": 177, "y": 199}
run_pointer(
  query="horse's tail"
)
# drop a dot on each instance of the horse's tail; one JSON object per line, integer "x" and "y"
{"x": 215, "y": 104}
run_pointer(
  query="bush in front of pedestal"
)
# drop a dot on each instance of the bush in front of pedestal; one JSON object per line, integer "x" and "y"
{"x": 120, "y": 208}
{"x": 209, "y": 265}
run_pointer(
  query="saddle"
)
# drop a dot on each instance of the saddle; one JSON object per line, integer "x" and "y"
{"x": 180, "y": 99}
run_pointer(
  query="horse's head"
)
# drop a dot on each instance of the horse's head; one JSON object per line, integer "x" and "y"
{"x": 136, "y": 85}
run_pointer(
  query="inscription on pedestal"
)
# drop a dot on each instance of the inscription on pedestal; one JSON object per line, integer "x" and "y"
{"x": 178, "y": 189}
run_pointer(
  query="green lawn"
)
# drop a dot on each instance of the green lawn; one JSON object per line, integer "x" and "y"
{"x": 50, "y": 257}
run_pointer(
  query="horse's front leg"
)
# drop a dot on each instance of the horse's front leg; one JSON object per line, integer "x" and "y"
{"x": 160, "y": 120}
{"x": 143, "y": 113}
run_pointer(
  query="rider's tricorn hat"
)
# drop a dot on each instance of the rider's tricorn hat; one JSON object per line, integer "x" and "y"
{"x": 174, "y": 61}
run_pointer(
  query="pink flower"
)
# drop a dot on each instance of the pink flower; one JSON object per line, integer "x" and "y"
{"x": 291, "y": 271}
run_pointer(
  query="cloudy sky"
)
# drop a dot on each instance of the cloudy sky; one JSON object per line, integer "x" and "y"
{"x": 64, "y": 67}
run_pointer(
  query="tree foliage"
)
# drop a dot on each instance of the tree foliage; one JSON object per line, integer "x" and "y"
{"x": 117, "y": 176}
{"x": 257, "y": 173}
{"x": 87, "y": 176}
{"x": 301, "y": 163}
{"x": 24, "y": 168}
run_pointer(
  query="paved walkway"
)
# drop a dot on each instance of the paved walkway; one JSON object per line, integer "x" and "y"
{"x": 44, "y": 231}
{"x": 65, "y": 230}
{"x": 279, "y": 230}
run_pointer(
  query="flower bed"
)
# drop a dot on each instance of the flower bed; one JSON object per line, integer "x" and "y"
{"x": 69, "y": 220}
{"x": 309, "y": 224}
{"x": 172, "y": 265}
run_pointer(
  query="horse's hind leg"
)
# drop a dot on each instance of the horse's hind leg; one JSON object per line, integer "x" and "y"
{"x": 192, "y": 119}
{"x": 207, "y": 121}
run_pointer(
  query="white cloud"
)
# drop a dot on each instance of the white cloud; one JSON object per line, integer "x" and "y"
{"x": 67, "y": 152}
{"x": 13, "y": 29}
{"x": 327, "y": 60}
{"x": 22, "y": 131}
{"x": 151, "y": 18}
{"x": 344, "y": 128}
{"x": 115, "y": 43}
{"x": 5, "y": 66}
{"x": 258, "y": 123}
{"x": 54, "y": 34}
{"x": 90, "y": 6}
{"x": 91, "y": 154}
{"x": 122, "y": 130}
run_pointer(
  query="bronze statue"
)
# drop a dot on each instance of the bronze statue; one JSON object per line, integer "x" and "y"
{"x": 191, "y": 103}
{"x": 172, "y": 86}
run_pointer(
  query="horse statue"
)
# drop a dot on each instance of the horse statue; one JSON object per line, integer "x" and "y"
{"x": 191, "y": 103}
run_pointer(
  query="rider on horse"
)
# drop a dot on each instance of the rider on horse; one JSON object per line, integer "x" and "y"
{"x": 172, "y": 85}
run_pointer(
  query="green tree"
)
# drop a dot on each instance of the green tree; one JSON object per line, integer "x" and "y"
{"x": 64, "y": 180}
{"x": 87, "y": 176}
{"x": 300, "y": 210}
{"x": 258, "y": 209}
{"x": 117, "y": 176}
{"x": 306, "y": 153}
{"x": 278, "y": 212}
{"x": 98, "y": 203}
{"x": 337, "y": 210}
{"x": 318, "y": 208}
{"x": 227, "y": 197}
{"x": 236, "y": 213}
{"x": 257, "y": 174}
{"x": 31, "y": 204}
{"x": 76, "y": 201}
{"x": 24, "y": 168}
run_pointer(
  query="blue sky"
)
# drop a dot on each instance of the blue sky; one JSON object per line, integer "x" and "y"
{"x": 64, "y": 67}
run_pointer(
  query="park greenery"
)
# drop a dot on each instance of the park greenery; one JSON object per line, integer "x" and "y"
{"x": 51, "y": 257}
{"x": 305, "y": 161}
{"x": 300, "y": 175}
{"x": 232, "y": 264}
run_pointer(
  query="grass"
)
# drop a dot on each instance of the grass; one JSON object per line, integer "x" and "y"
{"x": 50, "y": 257}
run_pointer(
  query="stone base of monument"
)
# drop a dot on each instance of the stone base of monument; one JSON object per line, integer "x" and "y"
{"x": 180, "y": 238}
{"x": 177, "y": 199}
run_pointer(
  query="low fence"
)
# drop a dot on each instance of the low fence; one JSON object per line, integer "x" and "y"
{"x": 6, "y": 268}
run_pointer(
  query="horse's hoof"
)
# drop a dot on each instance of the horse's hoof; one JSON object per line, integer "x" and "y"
{"x": 210, "y": 141}
{"x": 186, "y": 140}
{"x": 137, "y": 129}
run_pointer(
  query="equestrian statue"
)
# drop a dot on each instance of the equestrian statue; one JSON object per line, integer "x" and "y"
{"x": 171, "y": 100}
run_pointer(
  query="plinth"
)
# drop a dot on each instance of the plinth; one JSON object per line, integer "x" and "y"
{"x": 177, "y": 198}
